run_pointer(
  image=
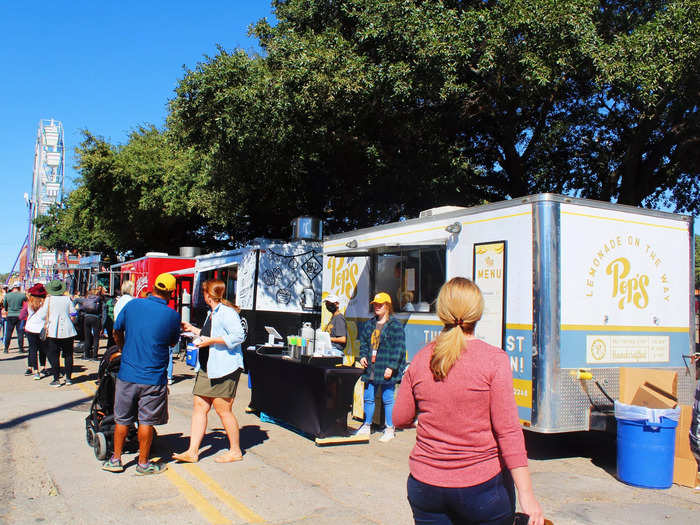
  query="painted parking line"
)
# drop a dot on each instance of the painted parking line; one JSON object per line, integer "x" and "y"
{"x": 88, "y": 387}
{"x": 231, "y": 502}
{"x": 198, "y": 501}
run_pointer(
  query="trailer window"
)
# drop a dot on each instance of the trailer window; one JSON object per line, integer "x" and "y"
{"x": 229, "y": 275}
{"x": 411, "y": 276}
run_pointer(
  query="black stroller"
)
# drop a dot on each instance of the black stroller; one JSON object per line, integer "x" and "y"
{"x": 99, "y": 424}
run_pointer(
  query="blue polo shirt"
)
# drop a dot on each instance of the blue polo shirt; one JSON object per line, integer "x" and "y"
{"x": 150, "y": 329}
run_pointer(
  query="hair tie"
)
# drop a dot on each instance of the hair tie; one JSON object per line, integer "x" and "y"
{"x": 458, "y": 322}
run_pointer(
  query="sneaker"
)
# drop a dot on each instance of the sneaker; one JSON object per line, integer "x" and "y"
{"x": 68, "y": 382}
{"x": 388, "y": 435}
{"x": 37, "y": 377}
{"x": 113, "y": 465}
{"x": 150, "y": 468}
{"x": 170, "y": 381}
{"x": 364, "y": 430}
{"x": 55, "y": 383}
{"x": 28, "y": 372}
{"x": 45, "y": 373}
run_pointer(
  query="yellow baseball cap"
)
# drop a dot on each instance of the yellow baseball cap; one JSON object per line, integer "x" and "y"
{"x": 381, "y": 297}
{"x": 165, "y": 282}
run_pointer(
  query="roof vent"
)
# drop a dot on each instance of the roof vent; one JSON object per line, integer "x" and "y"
{"x": 439, "y": 211}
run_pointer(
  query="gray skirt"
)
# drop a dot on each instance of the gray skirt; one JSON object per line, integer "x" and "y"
{"x": 224, "y": 387}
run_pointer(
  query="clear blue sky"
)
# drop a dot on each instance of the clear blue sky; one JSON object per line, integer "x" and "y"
{"x": 104, "y": 66}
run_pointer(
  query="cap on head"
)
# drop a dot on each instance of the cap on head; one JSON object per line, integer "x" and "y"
{"x": 381, "y": 298}
{"x": 332, "y": 299}
{"x": 165, "y": 282}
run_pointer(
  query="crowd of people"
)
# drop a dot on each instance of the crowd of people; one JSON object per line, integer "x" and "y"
{"x": 469, "y": 458}
{"x": 55, "y": 325}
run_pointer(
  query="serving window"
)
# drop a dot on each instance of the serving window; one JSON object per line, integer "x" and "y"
{"x": 412, "y": 276}
{"x": 227, "y": 274}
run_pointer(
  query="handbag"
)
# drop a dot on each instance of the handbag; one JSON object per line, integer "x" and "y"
{"x": 43, "y": 334}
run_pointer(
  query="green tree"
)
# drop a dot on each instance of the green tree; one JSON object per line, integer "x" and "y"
{"x": 365, "y": 111}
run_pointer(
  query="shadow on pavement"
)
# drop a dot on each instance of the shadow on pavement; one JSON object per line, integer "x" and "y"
{"x": 213, "y": 442}
{"x": 600, "y": 447}
{"x": 14, "y": 357}
{"x": 26, "y": 417}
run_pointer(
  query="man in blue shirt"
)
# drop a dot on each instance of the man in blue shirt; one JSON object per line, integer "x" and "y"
{"x": 145, "y": 329}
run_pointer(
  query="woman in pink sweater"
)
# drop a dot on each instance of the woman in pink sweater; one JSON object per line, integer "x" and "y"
{"x": 469, "y": 448}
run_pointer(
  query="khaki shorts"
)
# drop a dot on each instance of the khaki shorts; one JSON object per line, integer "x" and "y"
{"x": 224, "y": 387}
{"x": 147, "y": 404}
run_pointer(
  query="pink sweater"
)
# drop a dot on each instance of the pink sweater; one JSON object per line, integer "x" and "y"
{"x": 468, "y": 425}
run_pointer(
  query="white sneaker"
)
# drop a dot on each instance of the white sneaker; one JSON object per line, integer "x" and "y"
{"x": 388, "y": 435}
{"x": 364, "y": 430}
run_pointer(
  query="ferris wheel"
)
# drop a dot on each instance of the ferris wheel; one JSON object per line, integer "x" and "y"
{"x": 47, "y": 183}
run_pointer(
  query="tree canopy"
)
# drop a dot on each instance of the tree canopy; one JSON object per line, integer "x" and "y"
{"x": 363, "y": 112}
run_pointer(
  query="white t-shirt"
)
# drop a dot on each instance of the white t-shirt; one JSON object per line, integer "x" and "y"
{"x": 121, "y": 303}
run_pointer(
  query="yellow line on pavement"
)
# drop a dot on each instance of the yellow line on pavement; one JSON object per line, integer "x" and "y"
{"x": 235, "y": 505}
{"x": 205, "y": 508}
{"x": 88, "y": 387}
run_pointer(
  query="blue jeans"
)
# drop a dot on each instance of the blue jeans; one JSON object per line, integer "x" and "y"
{"x": 173, "y": 350}
{"x": 387, "y": 399}
{"x": 489, "y": 503}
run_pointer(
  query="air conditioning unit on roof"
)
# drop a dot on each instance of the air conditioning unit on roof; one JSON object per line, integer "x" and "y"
{"x": 439, "y": 211}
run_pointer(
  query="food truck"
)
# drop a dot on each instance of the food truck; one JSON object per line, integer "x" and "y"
{"x": 144, "y": 270}
{"x": 274, "y": 283}
{"x": 574, "y": 290}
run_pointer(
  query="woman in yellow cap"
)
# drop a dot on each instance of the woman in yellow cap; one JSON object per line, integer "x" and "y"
{"x": 383, "y": 355}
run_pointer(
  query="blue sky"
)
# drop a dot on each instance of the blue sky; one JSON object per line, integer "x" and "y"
{"x": 108, "y": 67}
{"x": 104, "y": 66}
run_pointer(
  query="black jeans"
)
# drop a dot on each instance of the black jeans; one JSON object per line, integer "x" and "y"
{"x": 92, "y": 329}
{"x": 10, "y": 325}
{"x": 37, "y": 351}
{"x": 489, "y": 503}
{"x": 56, "y": 347}
{"x": 109, "y": 326}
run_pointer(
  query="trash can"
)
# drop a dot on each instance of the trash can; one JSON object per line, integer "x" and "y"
{"x": 646, "y": 440}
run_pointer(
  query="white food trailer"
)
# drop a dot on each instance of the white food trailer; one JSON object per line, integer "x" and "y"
{"x": 275, "y": 283}
{"x": 570, "y": 286}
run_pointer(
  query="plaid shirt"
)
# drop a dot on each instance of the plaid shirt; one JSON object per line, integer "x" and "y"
{"x": 695, "y": 425}
{"x": 390, "y": 354}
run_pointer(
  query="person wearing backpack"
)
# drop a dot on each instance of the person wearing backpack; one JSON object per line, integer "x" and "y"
{"x": 92, "y": 323}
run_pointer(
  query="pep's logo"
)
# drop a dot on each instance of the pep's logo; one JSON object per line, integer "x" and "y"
{"x": 628, "y": 289}
{"x": 343, "y": 277}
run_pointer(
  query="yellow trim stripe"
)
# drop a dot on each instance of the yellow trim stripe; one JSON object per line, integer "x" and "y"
{"x": 235, "y": 505}
{"x": 206, "y": 509}
{"x": 515, "y": 326}
{"x": 626, "y": 221}
{"x": 612, "y": 328}
{"x": 434, "y": 228}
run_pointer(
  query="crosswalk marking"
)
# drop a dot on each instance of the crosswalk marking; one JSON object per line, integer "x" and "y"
{"x": 235, "y": 505}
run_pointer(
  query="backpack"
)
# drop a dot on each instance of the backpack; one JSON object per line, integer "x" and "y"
{"x": 92, "y": 304}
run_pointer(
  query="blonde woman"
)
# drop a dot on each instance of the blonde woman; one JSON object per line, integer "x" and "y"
{"x": 469, "y": 455}
{"x": 219, "y": 366}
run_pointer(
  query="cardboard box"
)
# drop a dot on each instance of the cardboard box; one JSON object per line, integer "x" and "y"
{"x": 647, "y": 396}
{"x": 685, "y": 472}
{"x": 631, "y": 379}
{"x": 682, "y": 431}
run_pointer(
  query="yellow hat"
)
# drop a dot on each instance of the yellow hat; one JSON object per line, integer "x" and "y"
{"x": 165, "y": 282}
{"x": 381, "y": 297}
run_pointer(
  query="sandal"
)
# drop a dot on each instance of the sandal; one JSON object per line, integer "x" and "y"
{"x": 184, "y": 457}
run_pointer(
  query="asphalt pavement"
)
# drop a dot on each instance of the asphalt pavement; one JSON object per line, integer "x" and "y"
{"x": 50, "y": 475}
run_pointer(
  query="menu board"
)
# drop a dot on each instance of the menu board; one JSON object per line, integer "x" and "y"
{"x": 490, "y": 277}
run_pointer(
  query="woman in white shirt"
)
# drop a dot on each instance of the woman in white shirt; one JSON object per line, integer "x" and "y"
{"x": 127, "y": 295}
{"x": 36, "y": 318}
{"x": 60, "y": 330}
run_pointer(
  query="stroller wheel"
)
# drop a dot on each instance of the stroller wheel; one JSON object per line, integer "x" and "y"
{"x": 90, "y": 436}
{"x": 100, "y": 446}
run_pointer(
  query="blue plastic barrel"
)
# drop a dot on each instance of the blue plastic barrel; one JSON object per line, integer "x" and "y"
{"x": 645, "y": 452}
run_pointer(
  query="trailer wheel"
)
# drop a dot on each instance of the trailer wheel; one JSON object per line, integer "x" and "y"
{"x": 100, "y": 446}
